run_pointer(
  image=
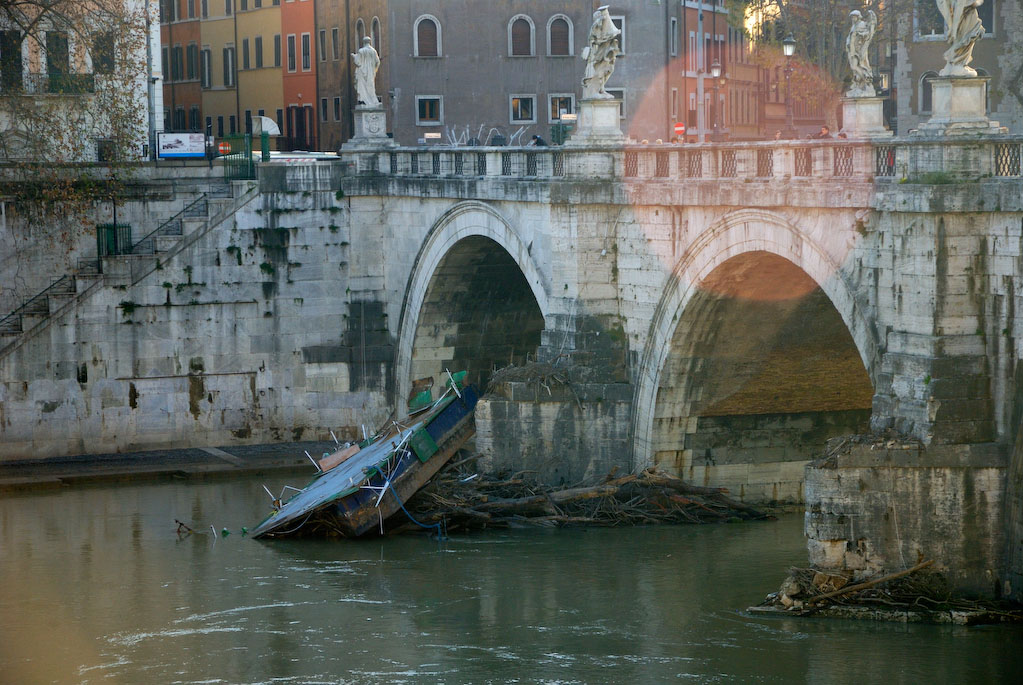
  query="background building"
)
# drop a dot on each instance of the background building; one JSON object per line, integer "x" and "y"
{"x": 914, "y": 56}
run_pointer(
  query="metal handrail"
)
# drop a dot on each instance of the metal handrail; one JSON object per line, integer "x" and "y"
{"x": 42, "y": 294}
{"x": 139, "y": 247}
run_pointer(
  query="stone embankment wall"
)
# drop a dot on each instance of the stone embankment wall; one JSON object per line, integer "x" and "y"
{"x": 248, "y": 330}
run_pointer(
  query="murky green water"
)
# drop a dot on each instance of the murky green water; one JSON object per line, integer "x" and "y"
{"x": 95, "y": 587}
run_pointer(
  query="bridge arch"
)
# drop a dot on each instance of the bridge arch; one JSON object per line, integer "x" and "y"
{"x": 466, "y": 231}
{"x": 729, "y": 253}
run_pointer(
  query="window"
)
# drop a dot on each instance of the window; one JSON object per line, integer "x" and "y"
{"x": 360, "y": 31}
{"x": 209, "y": 126}
{"x": 248, "y": 121}
{"x": 620, "y": 23}
{"x": 220, "y": 127}
{"x": 258, "y": 49}
{"x": 674, "y": 104}
{"x": 280, "y": 112}
{"x": 164, "y": 60}
{"x": 323, "y": 109}
{"x": 245, "y": 53}
{"x": 194, "y": 118}
{"x": 177, "y": 62}
{"x": 375, "y": 28}
{"x": 180, "y": 122}
{"x": 205, "y": 5}
{"x": 335, "y": 44}
{"x": 257, "y": 3}
{"x": 520, "y": 37}
{"x": 673, "y": 37}
{"x": 307, "y": 62}
{"x": 229, "y": 67}
{"x": 277, "y": 50}
{"x": 10, "y": 61}
{"x": 102, "y": 53}
{"x": 292, "y": 63}
{"x": 428, "y": 39}
{"x": 522, "y": 109}
{"x": 205, "y": 68}
{"x": 192, "y": 61}
{"x": 559, "y": 36}
{"x": 228, "y": 7}
{"x": 618, "y": 94}
{"x": 928, "y": 19}
{"x": 986, "y": 12}
{"x": 243, "y": 5}
{"x": 323, "y": 45}
{"x": 926, "y": 93}
{"x": 167, "y": 10}
{"x": 560, "y": 104}
{"x": 337, "y": 109}
{"x": 166, "y": 120}
{"x": 429, "y": 110}
{"x": 232, "y": 125}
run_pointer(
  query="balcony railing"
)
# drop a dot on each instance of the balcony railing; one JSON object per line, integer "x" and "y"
{"x": 52, "y": 84}
{"x": 840, "y": 161}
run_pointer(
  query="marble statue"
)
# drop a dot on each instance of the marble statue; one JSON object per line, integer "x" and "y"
{"x": 963, "y": 28}
{"x": 856, "y": 46}
{"x": 600, "y": 53}
{"x": 367, "y": 61}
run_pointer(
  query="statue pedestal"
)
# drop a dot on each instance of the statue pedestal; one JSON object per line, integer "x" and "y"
{"x": 598, "y": 124}
{"x": 370, "y": 129}
{"x": 959, "y": 107}
{"x": 863, "y": 117}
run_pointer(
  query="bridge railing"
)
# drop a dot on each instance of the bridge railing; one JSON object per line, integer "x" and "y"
{"x": 838, "y": 160}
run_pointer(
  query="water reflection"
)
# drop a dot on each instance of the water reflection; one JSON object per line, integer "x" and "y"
{"x": 97, "y": 587}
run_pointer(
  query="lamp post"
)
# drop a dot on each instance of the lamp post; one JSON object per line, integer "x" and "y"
{"x": 789, "y": 48}
{"x": 715, "y": 74}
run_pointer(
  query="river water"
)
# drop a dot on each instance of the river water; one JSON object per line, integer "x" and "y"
{"x": 96, "y": 587}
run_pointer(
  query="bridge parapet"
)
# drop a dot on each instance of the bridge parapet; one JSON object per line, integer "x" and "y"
{"x": 917, "y": 160}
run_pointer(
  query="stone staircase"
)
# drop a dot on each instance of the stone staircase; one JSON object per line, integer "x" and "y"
{"x": 127, "y": 268}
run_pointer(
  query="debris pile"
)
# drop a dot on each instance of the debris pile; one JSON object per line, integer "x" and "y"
{"x": 475, "y": 501}
{"x": 917, "y": 594}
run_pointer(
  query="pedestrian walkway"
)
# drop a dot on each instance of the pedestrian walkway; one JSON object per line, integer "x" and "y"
{"x": 193, "y": 462}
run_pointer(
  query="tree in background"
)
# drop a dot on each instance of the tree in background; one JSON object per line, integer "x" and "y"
{"x": 73, "y": 115}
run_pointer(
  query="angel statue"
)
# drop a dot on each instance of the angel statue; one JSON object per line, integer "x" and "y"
{"x": 856, "y": 45}
{"x": 963, "y": 28}
{"x": 600, "y": 53}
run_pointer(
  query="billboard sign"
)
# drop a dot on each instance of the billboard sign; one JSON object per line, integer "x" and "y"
{"x": 180, "y": 145}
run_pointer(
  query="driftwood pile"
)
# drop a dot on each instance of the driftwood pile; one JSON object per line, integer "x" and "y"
{"x": 468, "y": 500}
{"x": 919, "y": 590}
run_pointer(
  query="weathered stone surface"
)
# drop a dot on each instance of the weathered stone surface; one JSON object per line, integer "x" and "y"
{"x": 885, "y": 509}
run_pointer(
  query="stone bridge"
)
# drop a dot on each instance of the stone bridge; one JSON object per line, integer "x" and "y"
{"x": 718, "y": 311}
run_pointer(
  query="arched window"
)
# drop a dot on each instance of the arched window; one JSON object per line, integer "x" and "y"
{"x": 360, "y": 31}
{"x": 926, "y": 94}
{"x": 559, "y": 36}
{"x": 521, "y": 37}
{"x": 427, "y": 36}
{"x": 375, "y": 28}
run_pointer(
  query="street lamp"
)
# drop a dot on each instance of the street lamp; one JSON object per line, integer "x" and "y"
{"x": 788, "y": 46}
{"x": 715, "y": 74}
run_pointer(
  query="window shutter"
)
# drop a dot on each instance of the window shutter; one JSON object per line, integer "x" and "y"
{"x": 427, "y": 35}
{"x": 559, "y": 37}
{"x": 520, "y": 38}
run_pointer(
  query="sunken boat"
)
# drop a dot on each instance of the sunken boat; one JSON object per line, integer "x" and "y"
{"x": 359, "y": 487}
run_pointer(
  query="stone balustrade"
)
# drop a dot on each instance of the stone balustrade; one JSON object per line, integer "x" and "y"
{"x": 923, "y": 160}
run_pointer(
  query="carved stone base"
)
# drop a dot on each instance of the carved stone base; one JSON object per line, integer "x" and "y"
{"x": 370, "y": 129}
{"x": 863, "y": 117}
{"x": 959, "y": 106}
{"x": 598, "y": 125}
